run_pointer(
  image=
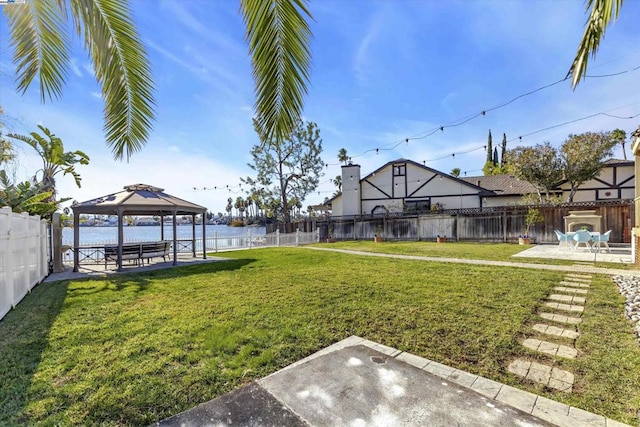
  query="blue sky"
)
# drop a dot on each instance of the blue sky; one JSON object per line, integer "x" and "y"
{"x": 382, "y": 71}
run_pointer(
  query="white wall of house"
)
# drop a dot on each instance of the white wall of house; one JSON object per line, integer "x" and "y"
{"x": 399, "y": 185}
{"x": 490, "y": 202}
{"x": 614, "y": 182}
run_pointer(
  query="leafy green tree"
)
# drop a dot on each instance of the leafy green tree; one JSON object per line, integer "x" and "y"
{"x": 455, "y": 172}
{"x": 582, "y": 157}
{"x": 26, "y": 197}
{"x": 50, "y": 148}
{"x": 343, "y": 157}
{"x": 288, "y": 168}
{"x": 540, "y": 165}
{"x": 276, "y": 30}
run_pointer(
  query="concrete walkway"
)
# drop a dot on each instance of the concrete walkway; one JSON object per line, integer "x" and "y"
{"x": 357, "y": 382}
{"x": 576, "y": 268}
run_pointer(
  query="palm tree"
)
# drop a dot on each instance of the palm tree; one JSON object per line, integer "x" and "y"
{"x": 277, "y": 33}
{"x": 601, "y": 15}
{"x": 54, "y": 159}
{"x": 342, "y": 156}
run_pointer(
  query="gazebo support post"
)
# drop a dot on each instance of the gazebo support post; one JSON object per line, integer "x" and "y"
{"x": 76, "y": 242}
{"x": 193, "y": 234}
{"x": 161, "y": 227}
{"x": 204, "y": 235}
{"x": 175, "y": 240}
{"x": 120, "y": 238}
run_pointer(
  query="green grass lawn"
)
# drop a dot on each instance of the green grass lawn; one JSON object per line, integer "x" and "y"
{"x": 133, "y": 349}
{"x": 464, "y": 250}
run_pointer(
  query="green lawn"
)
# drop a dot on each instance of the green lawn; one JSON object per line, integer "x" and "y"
{"x": 465, "y": 250}
{"x": 137, "y": 348}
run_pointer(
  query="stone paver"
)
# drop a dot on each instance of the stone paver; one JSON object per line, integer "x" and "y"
{"x": 561, "y": 318}
{"x": 565, "y": 307}
{"x": 486, "y": 387}
{"x": 550, "y": 348}
{"x": 575, "y": 284}
{"x": 584, "y": 418}
{"x": 579, "y": 276}
{"x": 555, "y": 331}
{"x": 517, "y": 398}
{"x": 570, "y": 290}
{"x": 567, "y": 298}
{"x": 539, "y": 373}
{"x": 519, "y": 367}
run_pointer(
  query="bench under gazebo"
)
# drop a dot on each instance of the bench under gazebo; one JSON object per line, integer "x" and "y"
{"x": 139, "y": 199}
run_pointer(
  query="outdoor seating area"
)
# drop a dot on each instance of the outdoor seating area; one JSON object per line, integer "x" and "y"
{"x": 138, "y": 252}
{"x": 592, "y": 241}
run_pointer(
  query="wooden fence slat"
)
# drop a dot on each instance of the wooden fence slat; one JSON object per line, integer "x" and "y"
{"x": 504, "y": 224}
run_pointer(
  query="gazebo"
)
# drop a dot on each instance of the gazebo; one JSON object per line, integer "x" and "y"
{"x": 139, "y": 199}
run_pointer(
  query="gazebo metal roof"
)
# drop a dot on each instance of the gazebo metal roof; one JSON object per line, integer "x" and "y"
{"x": 138, "y": 199}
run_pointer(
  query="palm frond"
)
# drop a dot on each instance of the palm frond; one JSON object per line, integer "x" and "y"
{"x": 40, "y": 45}
{"x": 122, "y": 68}
{"x": 601, "y": 15}
{"x": 278, "y": 37}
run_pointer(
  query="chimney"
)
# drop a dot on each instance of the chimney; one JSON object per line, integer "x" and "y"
{"x": 351, "y": 197}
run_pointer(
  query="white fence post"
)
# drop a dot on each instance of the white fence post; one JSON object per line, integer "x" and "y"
{"x": 23, "y": 256}
{"x": 215, "y": 241}
{"x": 278, "y": 237}
{"x": 250, "y": 242}
{"x": 317, "y": 235}
{"x": 297, "y": 236}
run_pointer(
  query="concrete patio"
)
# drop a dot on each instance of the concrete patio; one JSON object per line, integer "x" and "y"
{"x": 618, "y": 254}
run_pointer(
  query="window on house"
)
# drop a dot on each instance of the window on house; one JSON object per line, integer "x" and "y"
{"x": 417, "y": 205}
{"x": 399, "y": 170}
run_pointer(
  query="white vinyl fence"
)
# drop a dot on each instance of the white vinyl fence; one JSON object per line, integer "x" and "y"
{"x": 23, "y": 256}
{"x": 217, "y": 242}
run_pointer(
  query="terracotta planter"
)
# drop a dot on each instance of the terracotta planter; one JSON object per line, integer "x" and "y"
{"x": 524, "y": 241}
{"x": 378, "y": 239}
{"x": 441, "y": 239}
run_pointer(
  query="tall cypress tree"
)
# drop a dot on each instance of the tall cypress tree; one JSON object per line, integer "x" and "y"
{"x": 489, "y": 149}
{"x": 503, "y": 159}
{"x": 495, "y": 156}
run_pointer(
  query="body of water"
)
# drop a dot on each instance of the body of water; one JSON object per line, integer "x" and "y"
{"x": 101, "y": 235}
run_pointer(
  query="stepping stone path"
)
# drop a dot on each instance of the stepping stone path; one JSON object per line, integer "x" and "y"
{"x": 543, "y": 374}
{"x": 564, "y": 308}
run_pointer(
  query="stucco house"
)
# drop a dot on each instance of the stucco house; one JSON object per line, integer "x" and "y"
{"x": 404, "y": 186}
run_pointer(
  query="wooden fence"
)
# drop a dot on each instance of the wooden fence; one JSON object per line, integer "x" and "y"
{"x": 503, "y": 224}
{"x": 23, "y": 256}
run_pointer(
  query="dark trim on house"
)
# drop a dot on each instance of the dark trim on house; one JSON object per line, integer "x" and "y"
{"x": 376, "y": 187}
{"x": 425, "y": 183}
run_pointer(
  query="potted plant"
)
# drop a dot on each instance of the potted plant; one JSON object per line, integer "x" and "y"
{"x": 330, "y": 238}
{"x": 441, "y": 239}
{"x": 532, "y": 218}
{"x": 378, "y": 237}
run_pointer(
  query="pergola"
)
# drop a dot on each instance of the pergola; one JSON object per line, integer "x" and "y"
{"x": 139, "y": 199}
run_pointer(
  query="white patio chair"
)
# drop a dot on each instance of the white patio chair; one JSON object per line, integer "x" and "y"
{"x": 582, "y": 237}
{"x": 602, "y": 239}
{"x": 563, "y": 240}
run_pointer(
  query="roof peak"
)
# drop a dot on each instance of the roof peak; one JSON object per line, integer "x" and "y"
{"x": 143, "y": 187}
